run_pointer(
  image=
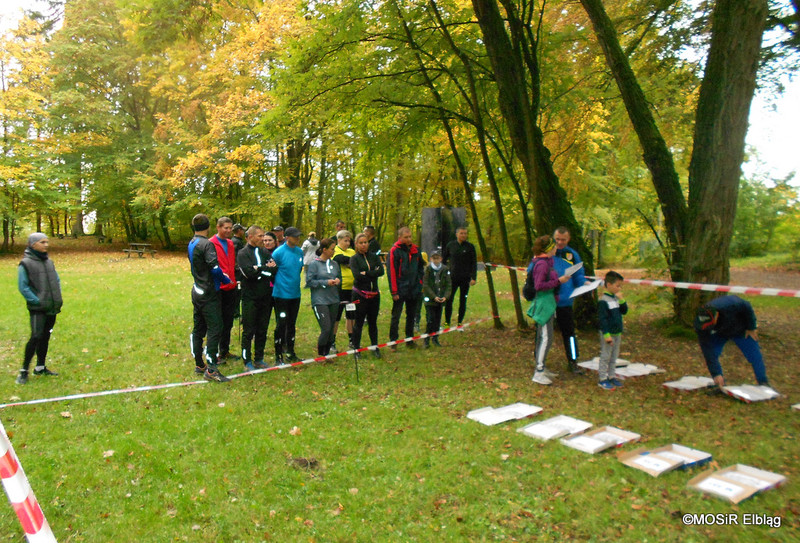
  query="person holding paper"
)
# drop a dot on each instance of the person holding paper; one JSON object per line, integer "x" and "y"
{"x": 543, "y": 307}
{"x": 729, "y": 318}
{"x": 565, "y": 257}
{"x": 324, "y": 278}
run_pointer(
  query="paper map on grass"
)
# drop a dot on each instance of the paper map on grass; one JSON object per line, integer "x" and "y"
{"x": 690, "y": 382}
{"x": 750, "y": 393}
{"x": 624, "y": 368}
{"x": 555, "y": 427}
{"x": 594, "y": 363}
{"x": 583, "y": 289}
{"x": 491, "y": 416}
{"x": 569, "y": 272}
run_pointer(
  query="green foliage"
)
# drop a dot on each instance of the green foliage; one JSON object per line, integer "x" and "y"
{"x": 766, "y": 218}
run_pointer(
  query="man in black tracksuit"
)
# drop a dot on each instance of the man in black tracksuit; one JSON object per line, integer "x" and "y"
{"x": 207, "y": 277}
{"x": 257, "y": 269}
{"x": 462, "y": 261}
{"x": 406, "y": 269}
{"x": 40, "y": 286}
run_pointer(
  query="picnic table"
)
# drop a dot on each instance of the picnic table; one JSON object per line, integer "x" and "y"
{"x": 140, "y": 249}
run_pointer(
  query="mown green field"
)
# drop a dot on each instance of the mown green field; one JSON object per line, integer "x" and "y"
{"x": 313, "y": 455}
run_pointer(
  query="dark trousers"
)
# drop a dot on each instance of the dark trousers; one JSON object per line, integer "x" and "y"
{"x": 566, "y": 323}
{"x": 463, "y": 290}
{"x": 228, "y": 300}
{"x": 256, "y": 313}
{"x": 433, "y": 315}
{"x": 286, "y": 310}
{"x": 326, "y": 318}
{"x": 366, "y": 309}
{"x": 712, "y": 348}
{"x": 207, "y": 324}
{"x": 41, "y": 328}
{"x": 397, "y": 309}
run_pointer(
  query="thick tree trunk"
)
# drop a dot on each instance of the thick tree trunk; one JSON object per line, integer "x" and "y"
{"x": 721, "y": 123}
{"x": 699, "y": 233}
{"x": 520, "y": 110}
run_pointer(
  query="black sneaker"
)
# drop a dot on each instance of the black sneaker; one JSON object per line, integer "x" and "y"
{"x": 228, "y": 356}
{"x": 22, "y": 378}
{"x": 199, "y": 370}
{"x": 393, "y": 348}
{"x": 377, "y": 354}
{"x": 214, "y": 375}
{"x": 411, "y": 345}
{"x": 278, "y": 360}
{"x": 44, "y": 371}
{"x": 260, "y": 365}
{"x": 291, "y": 358}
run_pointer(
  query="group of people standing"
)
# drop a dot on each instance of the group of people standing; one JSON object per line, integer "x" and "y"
{"x": 261, "y": 271}
{"x": 728, "y": 318}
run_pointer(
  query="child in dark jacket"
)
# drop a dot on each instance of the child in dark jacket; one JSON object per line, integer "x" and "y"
{"x": 436, "y": 288}
{"x": 610, "y": 310}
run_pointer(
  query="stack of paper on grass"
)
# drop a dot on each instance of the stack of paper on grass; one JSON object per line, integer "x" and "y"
{"x": 555, "y": 427}
{"x": 594, "y": 363}
{"x": 600, "y": 439}
{"x": 664, "y": 459}
{"x": 751, "y": 393}
{"x": 491, "y": 416}
{"x": 638, "y": 370}
{"x": 690, "y": 382}
{"x": 736, "y": 483}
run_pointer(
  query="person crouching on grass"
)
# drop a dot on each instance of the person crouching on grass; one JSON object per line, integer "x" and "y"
{"x": 436, "y": 289}
{"x": 610, "y": 310}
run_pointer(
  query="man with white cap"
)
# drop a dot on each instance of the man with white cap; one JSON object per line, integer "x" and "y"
{"x": 40, "y": 285}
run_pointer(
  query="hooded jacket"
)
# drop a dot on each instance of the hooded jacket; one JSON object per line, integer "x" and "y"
{"x": 318, "y": 273}
{"x": 39, "y": 283}
{"x": 405, "y": 270}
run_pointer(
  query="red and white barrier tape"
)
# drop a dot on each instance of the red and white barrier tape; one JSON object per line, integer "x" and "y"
{"x": 20, "y": 494}
{"x": 253, "y": 372}
{"x": 708, "y": 287}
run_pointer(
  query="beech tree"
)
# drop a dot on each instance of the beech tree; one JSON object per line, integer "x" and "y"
{"x": 699, "y": 227}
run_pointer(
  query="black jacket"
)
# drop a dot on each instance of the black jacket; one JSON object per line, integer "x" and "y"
{"x": 43, "y": 281}
{"x": 372, "y": 265}
{"x": 462, "y": 260}
{"x": 257, "y": 277}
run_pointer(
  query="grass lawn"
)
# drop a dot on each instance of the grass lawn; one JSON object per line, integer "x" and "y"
{"x": 312, "y": 455}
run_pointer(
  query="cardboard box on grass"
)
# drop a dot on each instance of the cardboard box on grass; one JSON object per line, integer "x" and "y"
{"x": 491, "y": 416}
{"x": 663, "y": 459}
{"x": 690, "y": 382}
{"x": 736, "y": 483}
{"x": 750, "y": 393}
{"x": 600, "y": 439}
{"x": 555, "y": 427}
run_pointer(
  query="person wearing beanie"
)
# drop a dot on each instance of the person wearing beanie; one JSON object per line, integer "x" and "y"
{"x": 40, "y": 285}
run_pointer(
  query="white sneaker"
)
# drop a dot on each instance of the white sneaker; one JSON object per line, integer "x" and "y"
{"x": 542, "y": 379}
{"x": 550, "y": 374}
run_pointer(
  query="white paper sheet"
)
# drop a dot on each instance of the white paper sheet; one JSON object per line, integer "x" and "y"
{"x": 569, "y": 272}
{"x": 719, "y": 487}
{"x": 652, "y": 463}
{"x": 583, "y": 289}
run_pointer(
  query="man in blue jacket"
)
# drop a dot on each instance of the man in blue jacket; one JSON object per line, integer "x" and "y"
{"x": 40, "y": 285}
{"x": 286, "y": 294}
{"x": 565, "y": 257}
{"x": 729, "y": 318}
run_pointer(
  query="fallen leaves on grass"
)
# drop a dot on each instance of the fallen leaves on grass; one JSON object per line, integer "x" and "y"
{"x": 66, "y": 414}
{"x": 295, "y": 431}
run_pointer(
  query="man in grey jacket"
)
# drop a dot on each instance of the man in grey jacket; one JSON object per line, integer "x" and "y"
{"x": 40, "y": 285}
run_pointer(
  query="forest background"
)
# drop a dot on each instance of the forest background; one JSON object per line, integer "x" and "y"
{"x": 622, "y": 120}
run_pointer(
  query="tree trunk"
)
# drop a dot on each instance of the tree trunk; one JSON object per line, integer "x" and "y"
{"x": 520, "y": 111}
{"x": 721, "y": 122}
{"x": 319, "y": 223}
{"x": 699, "y": 233}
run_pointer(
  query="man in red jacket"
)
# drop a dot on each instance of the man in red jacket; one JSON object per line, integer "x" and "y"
{"x": 406, "y": 269}
{"x": 226, "y": 256}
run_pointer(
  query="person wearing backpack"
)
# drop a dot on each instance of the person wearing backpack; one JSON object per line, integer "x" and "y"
{"x": 543, "y": 308}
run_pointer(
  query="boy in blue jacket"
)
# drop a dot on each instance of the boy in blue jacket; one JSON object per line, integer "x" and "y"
{"x": 610, "y": 310}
